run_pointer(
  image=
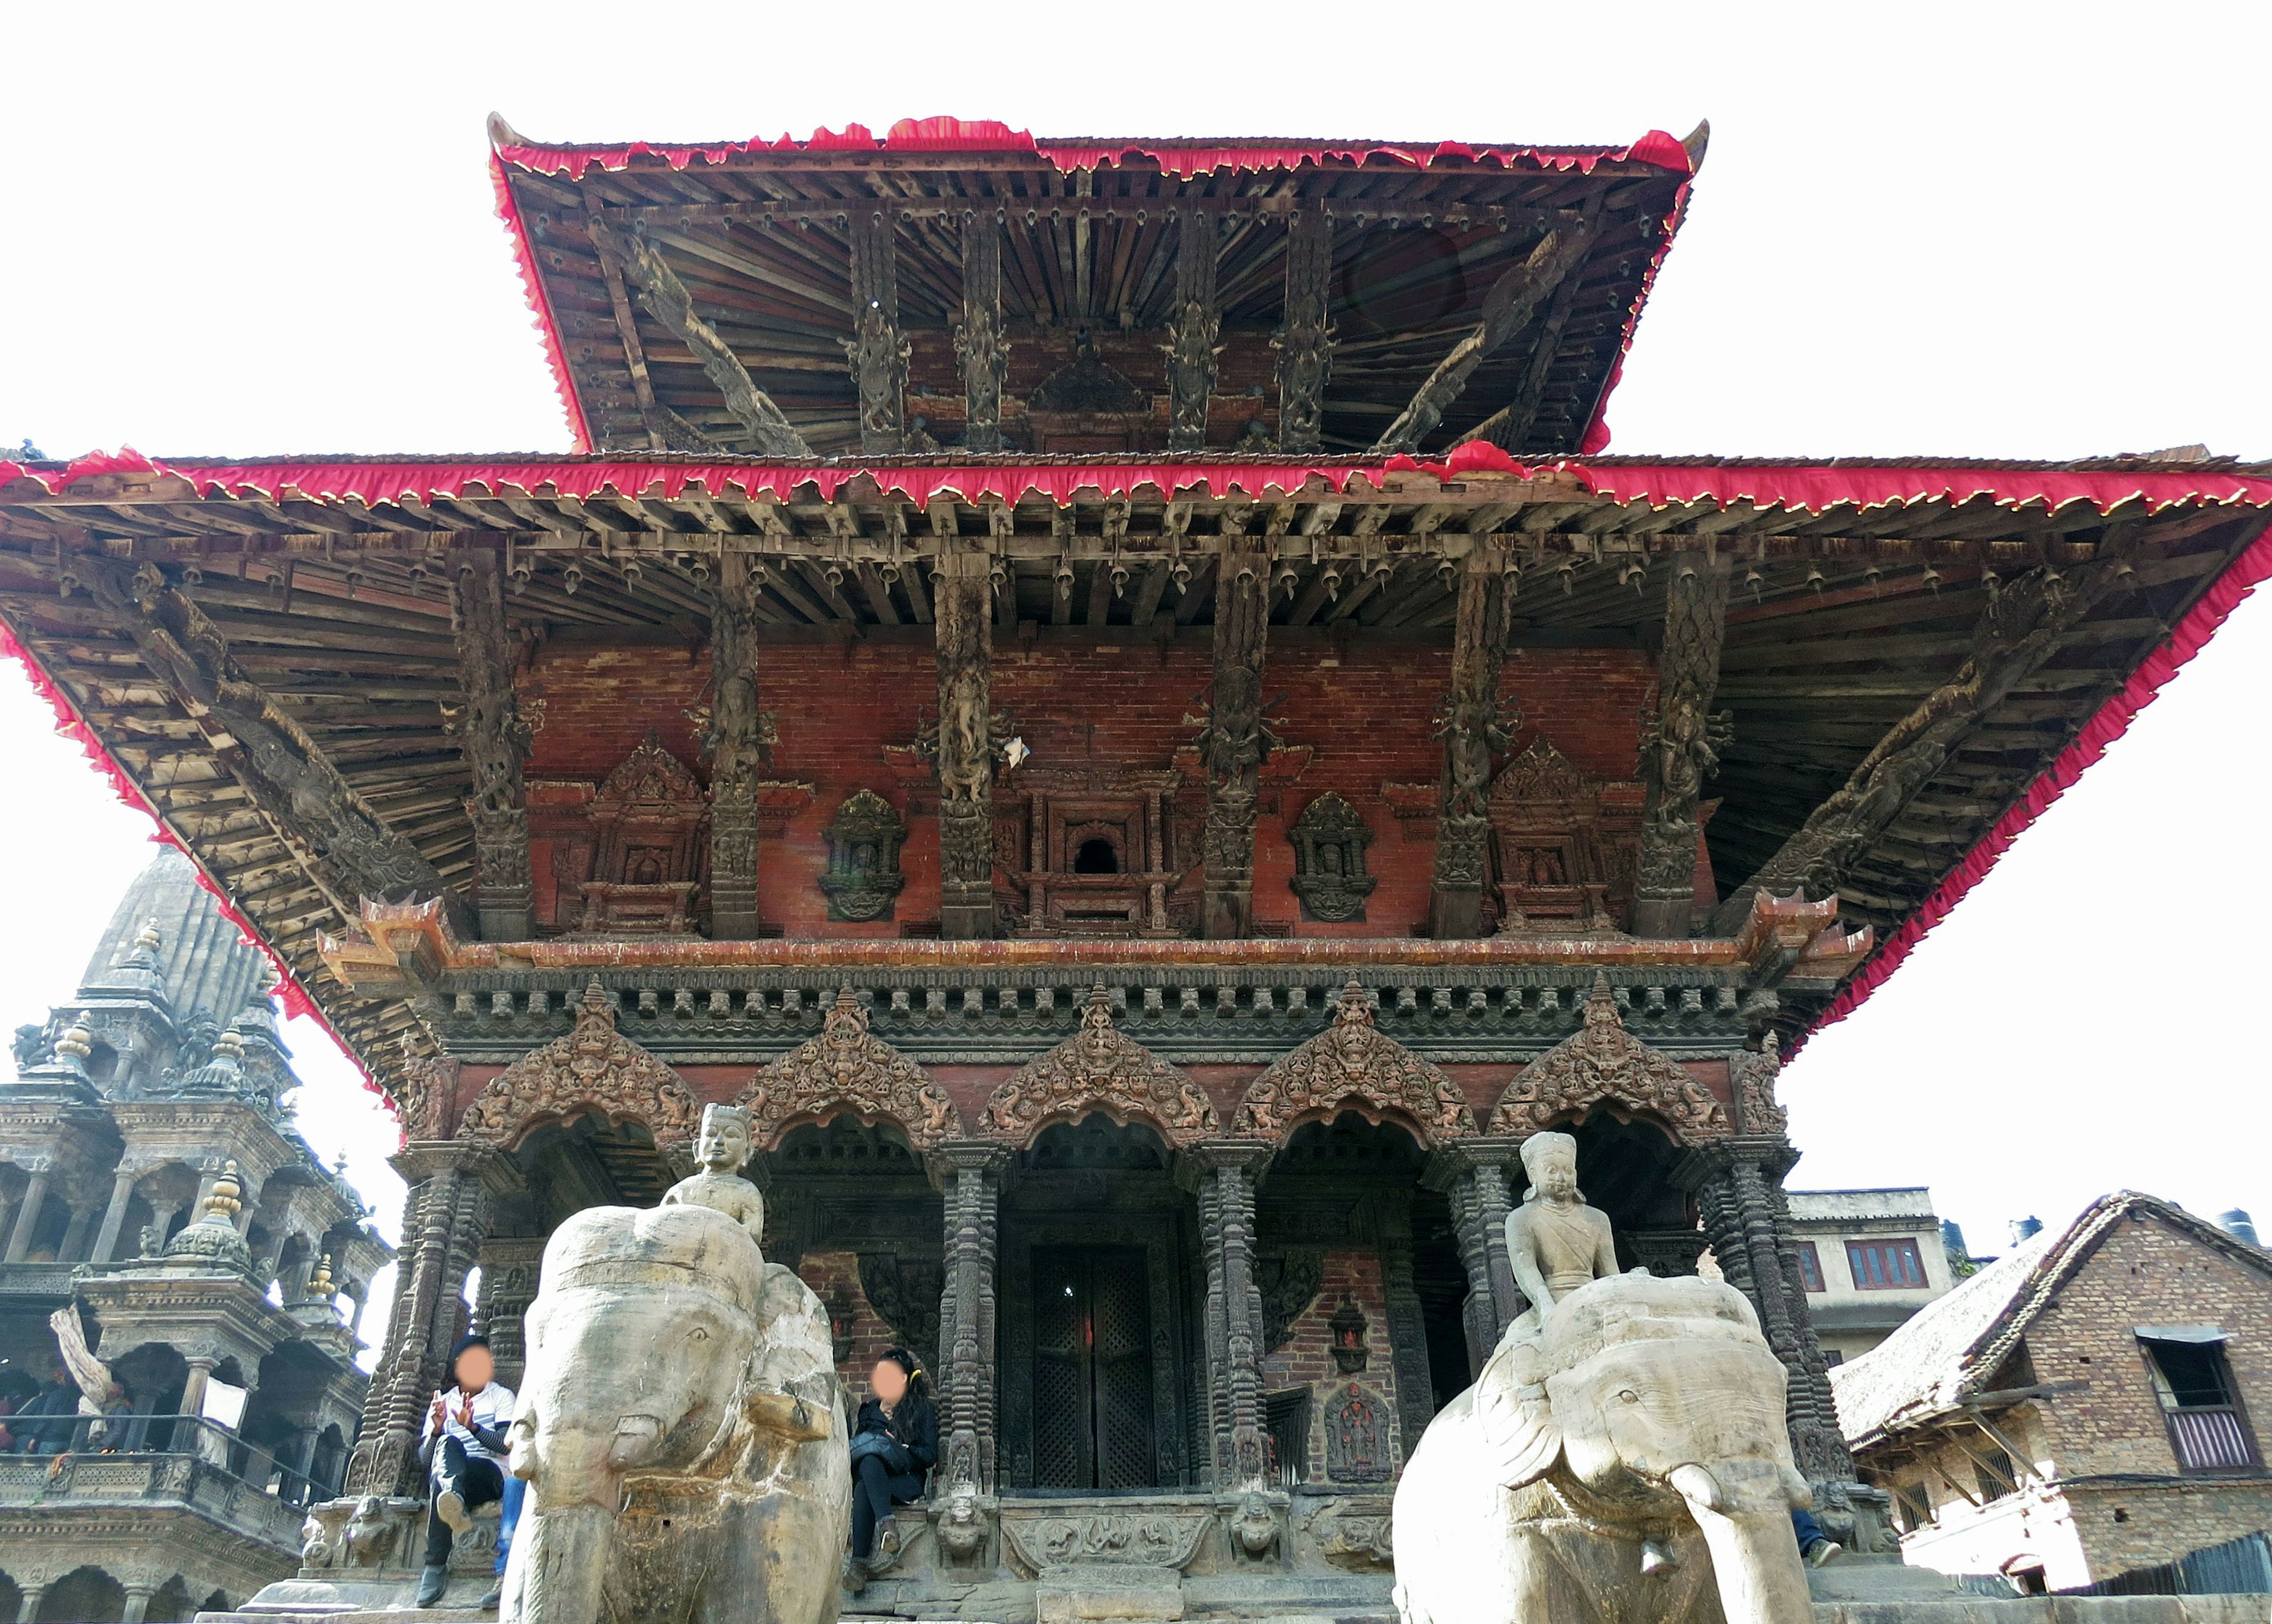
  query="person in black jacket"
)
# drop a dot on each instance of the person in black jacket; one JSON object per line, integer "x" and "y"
{"x": 895, "y": 1444}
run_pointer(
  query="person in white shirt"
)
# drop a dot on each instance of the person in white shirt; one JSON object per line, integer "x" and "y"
{"x": 463, "y": 1449}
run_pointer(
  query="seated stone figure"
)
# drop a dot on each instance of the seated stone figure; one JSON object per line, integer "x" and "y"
{"x": 722, "y": 1146}
{"x": 1554, "y": 1240}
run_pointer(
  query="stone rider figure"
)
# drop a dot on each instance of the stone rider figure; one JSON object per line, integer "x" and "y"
{"x": 1554, "y": 1240}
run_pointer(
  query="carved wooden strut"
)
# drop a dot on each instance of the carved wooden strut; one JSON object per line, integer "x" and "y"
{"x": 1234, "y": 745}
{"x": 1472, "y": 725}
{"x": 1192, "y": 331}
{"x": 734, "y": 744}
{"x": 1680, "y": 745}
{"x": 963, "y": 753}
{"x": 494, "y": 739}
{"x": 877, "y": 350}
{"x": 979, "y": 346}
{"x": 1305, "y": 342}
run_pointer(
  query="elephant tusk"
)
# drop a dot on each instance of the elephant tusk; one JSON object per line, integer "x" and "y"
{"x": 1800, "y": 1491}
{"x": 1696, "y": 1485}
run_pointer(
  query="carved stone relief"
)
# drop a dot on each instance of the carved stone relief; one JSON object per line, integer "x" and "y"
{"x": 1603, "y": 1064}
{"x": 1150, "y": 1537}
{"x": 594, "y": 1068}
{"x": 1354, "y": 1061}
{"x": 1329, "y": 840}
{"x": 1356, "y": 1434}
{"x": 863, "y": 877}
{"x": 1099, "y": 1069}
{"x": 847, "y": 1067}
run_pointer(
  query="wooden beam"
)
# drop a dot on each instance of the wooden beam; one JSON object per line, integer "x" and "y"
{"x": 1192, "y": 330}
{"x": 1305, "y": 341}
{"x": 668, "y": 302}
{"x": 978, "y": 342}
{"x": 734, "y": 744}
{"x": 1505, "y": 307}
{"x": 2024, "y": 625}
{"x": 494, "y": 741}
{"x": 1233, "y": 745}
{"x": 963, "y": 751}
{"x": 1681, "y": 741}
{"x": 878, "y": 352}
{"x": 1472, "y": 728}
{"x": 348, "y": 850}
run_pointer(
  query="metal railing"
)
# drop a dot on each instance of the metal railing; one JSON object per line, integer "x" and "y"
{"x": 2211, "y": 1438}
{"x": 128, "y": 1437}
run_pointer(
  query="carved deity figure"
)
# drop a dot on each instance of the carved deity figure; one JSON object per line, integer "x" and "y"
{"x": 721, "y": 1148}
{"x": 1556, "y": 1242}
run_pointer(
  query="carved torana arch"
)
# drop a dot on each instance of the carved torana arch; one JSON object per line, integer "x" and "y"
{"x": 1353, "y": 1062}
{"x": 848, "y": 1068}
{"x": 1603, "y": 1064}
{"x": 1099, "y": 1069}
{"x": 594, "y": 1068}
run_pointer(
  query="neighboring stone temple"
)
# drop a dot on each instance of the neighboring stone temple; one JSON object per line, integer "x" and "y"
{"x": 1106, "y": 690}
{"x": 154, "y": 1184}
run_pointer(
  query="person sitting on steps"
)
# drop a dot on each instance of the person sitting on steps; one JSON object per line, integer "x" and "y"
{"x": 895, "y": 1444}
{"x": 463, "y": 1449}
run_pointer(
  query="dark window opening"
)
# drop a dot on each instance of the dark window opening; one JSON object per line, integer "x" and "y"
{"x": 2194, "y": 1371}
{"x": 2209, "y": 1431}
{"x": 1096, "y": 857}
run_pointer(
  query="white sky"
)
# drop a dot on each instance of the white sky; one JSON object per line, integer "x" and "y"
{"x": 2003, "y": 229}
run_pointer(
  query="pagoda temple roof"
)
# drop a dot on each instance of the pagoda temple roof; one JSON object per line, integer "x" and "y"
{"x": 1859, "y": 589}
{"x": 759, "y": 233}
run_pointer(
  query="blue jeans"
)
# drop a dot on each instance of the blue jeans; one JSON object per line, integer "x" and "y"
{"x": 509, "y": 1517}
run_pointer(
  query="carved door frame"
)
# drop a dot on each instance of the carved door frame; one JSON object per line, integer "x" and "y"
{"x": 1167, "y": 1246}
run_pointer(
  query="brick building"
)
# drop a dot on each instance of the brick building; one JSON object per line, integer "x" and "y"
{"x": 1870, "y": 1258}
{"x": 2088, "y": 1404}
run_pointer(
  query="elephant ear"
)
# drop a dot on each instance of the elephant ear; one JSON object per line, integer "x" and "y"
{"x": 1513, "y": 1414}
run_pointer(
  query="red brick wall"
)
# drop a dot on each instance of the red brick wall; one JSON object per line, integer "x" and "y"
{"x": 832, "y": 1274}
{"x": 1077, "y": 696}
{"x": 1307, "y": 1360}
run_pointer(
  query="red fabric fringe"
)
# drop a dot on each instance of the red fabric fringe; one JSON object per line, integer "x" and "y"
{"x": 540, "y": 305}
{"x": 72, "y": 725}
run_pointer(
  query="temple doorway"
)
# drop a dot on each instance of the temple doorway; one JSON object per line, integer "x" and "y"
{"x": 1092, "y": 1368}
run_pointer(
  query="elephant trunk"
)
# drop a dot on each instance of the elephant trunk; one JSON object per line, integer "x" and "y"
{"x": 559, "y": 1559}
{"x": 1743, "y": 1509}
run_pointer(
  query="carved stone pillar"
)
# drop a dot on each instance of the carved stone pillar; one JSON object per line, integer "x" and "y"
{"x": 1408, "y": 1329}
{"x": 444, "y": 1227}
{"x": 29, "y": 1611}
{"x": 1680, "y": 745}
{"x": 733, "y": 744}
{"x": 964, "y": 757}
{"x": 1471, "y": 726}
{"x": 978, "y": 342}
{"x": 878, "y": 353}
{"x": 512, "y": 1267}
{"x": 27, "y": 1215}
{"x": 113, "y": 1216}
{"x": 1192, "y": 331}
{"x": 1738, "y": 1186}
{"x": 1305, "y": 342}
{"x": 1234, "y": 743}
{"x": 973, "y": 1172}
{"x": 75, "y": 1231}
{"x": 493, "y": 739}
{"x": 1223, "y": 1174}
{"x": 1473, "y": 1173}
{"x": 202, "y": 1366}
{"x": 137, "y": 1602}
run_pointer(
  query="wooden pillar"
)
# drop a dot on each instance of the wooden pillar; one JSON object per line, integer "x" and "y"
{"x": 1193, "y": 331}
{"x": 27, "y": 1215}
{"x": 964, "y": 753}
{"x": 973, "y": 1172}
{"x": 113, "y": 1216}
{"x": 1473, "y": 1174}
{"x": 1305, "y": 342}
{"x": 493, "y": 740}
{"x": 1738, "y": 1186}
{"x": 878, "y": 353}
{"x": 1472, "y": 729}
{"x": 1223, "y": 1174}
{"x": 1680, "y": 745}
{"x": 733, "y": 744}
{"x": 979, "y": 346}
{"x": 1234, "y": 745}
{"x": 448, "y": 1215}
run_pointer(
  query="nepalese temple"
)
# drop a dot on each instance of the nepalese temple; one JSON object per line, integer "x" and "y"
{"x": 1112, "y": 693}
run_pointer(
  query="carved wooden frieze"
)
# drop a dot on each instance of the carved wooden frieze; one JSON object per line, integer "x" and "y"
{"x": 1353, "y": 1062}
{"x": 846, "y": 1067}
{"x": 594, "y": 1068}
{"x": 862, "y": 878}
{"x": 1603, "y": 1064}
{"x": 1099, "y": 1069}
{"x": 1329, "y": 840}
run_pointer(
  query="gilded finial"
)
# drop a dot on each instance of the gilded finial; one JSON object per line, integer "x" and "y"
{"x": 319, "y": 1284}
{"x": 149, "y": 938}
{"x": 77, "y": 1042}
{"x": 222, "y": 1205}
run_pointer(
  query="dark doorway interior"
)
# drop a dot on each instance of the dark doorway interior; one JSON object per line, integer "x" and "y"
{"x": 1093, "y": 1423}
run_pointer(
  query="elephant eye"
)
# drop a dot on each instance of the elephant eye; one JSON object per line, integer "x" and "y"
{"x": 1628, "y": 1396}
{"x": 698, "y": 1335}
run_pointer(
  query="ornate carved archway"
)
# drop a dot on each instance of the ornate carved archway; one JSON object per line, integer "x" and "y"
{"x": 848, "y": 1069}
{"x": 1603, "y": 1064}
{"x": 1099, "y": 1069}
{"x": 1353, "y": 1063}
{"x": 594, "y": 1068}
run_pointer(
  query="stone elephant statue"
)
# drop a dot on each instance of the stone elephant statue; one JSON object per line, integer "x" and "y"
{"x": 682, "y": 1431}
{"x": 1626, "y": 1463}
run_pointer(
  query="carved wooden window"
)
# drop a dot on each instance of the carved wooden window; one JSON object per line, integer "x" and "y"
{"x": 864, "y": 877}
{"x": 1810, "y": 1266}
{"x": 1884, "y": 1266}
{"x": 1329, "y": 839}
